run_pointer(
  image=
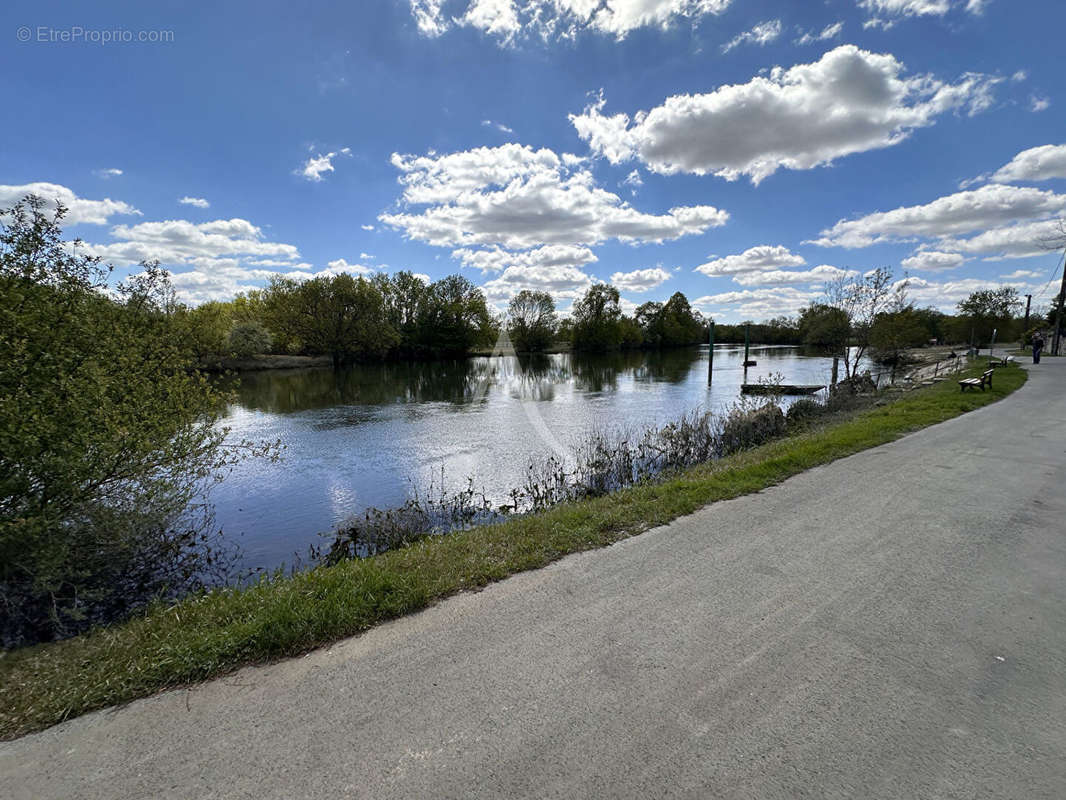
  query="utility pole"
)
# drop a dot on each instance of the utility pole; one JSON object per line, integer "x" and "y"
{"x": 1058, "y": 316}
{"x": 1028, "y": 303}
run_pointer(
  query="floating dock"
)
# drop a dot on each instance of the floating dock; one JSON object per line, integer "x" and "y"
{"x": 793, "y": 389}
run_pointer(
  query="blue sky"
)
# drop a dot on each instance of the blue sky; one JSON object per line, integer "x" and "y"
{"x": 741, "y": 151}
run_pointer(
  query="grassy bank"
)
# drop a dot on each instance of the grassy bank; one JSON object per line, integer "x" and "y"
{"x": 208, "y": 636}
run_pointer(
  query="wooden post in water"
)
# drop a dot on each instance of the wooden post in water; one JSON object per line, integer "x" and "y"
{"x": 710, "y": 358}
{"x": 747, "y": 329}
{"x": 836, "y": 371}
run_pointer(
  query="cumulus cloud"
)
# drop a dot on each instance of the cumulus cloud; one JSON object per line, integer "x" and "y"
{"x": 367, "y": 227}
{"x": 849, "y": 101}
{"x": 179, "y": 241}
{"x": 1021, "y": 240}
{"x": 518, "y": 198}
{"x": 550, "y": 20}
{"x": 1035, "y": 164}
{"x": 946, "y": 295}
{"x": 553, "y": 255}
{"x": 821, "y": 274}
{"x": 933, "y": 261}
{"x": 762, "y": 258}
{"x": 761, "y": 34}
{"x": 559, "y": 282}
{"x": 317, "y": 166}
{"x": 339, "y": 265}
{"x": 960, "y": 213}
{"x": 756, "y": 303}
{"x": 79, "y": 209}
{"x": 640, "y": 280}
{"x": 107, "y": 173}
{"x": 1022, "y": 275}
{"x": 830, "y": 31}
{"x": 198, "y": 202}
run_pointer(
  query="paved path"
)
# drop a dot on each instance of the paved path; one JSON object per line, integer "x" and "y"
{"x": 892, "y": 625}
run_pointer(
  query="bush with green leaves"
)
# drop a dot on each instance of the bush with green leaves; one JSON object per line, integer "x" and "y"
{"x": 248, "y": 339}
{"x": 107, "y": 438}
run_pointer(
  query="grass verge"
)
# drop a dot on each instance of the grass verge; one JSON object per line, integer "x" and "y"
{"x": 207, "y": 636}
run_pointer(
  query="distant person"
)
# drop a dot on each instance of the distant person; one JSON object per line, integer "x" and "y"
{"x": 1038, "y": 345}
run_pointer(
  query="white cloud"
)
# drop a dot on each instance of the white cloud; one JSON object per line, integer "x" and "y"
{"x": 933, "y": 261}
{"x": 823, "y": 273}
{"x": 339, "y": 265}
{"x": 892, "y": 10}
{"x": 559, "y": 282}
{"x": 550, "y": 20}
{"x": 367, "y": 227}
{"x": 763, "y": 258}
{"x": 633, "y": 181}
{"x": 180, "y": 242}
{"x": 959, "y": 213}
{"x": 762, "y": 34}
{"x": 640, "y": 280}
{"x": 488, "y": 123}
{"x": 517, "y": 198}
{"x": 79, "y": 210}
{"x": 945, "y": 296}
{"x": 107, "y": 173}
{"x": 1035, "y": 164}
{"x": 553, "y": 255}
{"x": 316, "y": 166}
{"x": 1038, "y": 104}
{"x": 849, "y": 101}
{"x": 199, "y": 202}
{"x": 830, "y": 31}
{"x": 1019, "y": 76}
{"x": 756, "y": 303}
{"x": 1022, "y": 274}
{"x": 1022, "y": 240}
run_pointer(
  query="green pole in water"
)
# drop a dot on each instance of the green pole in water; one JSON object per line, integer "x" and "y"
{"x": 710, "y": 360}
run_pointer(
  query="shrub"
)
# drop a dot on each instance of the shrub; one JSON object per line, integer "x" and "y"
{"x": 803, "y": 411}
{"x": 248, "y": 339}
{"x": 743, "y": 429}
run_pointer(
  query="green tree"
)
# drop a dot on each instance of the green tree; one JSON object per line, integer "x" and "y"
{"x": 453, "y": 317}
{"x": 337, "y": 315}
{"x": 990, "y": 310}
{"x": 531, "y": 321}
{"x": 824, "y": 328}
{"x": 248, "y": 339}
{"x": 597, "y": 319}
{"x": 107, "y": 436}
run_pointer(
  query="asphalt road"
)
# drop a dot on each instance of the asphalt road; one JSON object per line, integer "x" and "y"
{"x": 892, "y": 625}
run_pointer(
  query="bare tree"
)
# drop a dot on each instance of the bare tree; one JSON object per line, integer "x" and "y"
{"x": 861, "y": 299}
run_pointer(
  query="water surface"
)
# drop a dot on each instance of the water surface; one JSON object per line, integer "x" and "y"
{"x": 368, "y": 435}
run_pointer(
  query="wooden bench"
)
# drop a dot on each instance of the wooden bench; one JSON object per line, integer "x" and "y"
{"x": 1006, "y": 361}
{"x": 976, "y": 383}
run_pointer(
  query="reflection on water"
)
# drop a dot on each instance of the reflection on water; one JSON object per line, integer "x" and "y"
{"x": 366, "y": 435}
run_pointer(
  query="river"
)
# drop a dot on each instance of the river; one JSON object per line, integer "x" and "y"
{"x": 368, "y": 434}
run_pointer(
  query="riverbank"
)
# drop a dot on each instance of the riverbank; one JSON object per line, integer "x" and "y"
{"x": 211, "y": 635}
{"x": 262, "y": 362}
